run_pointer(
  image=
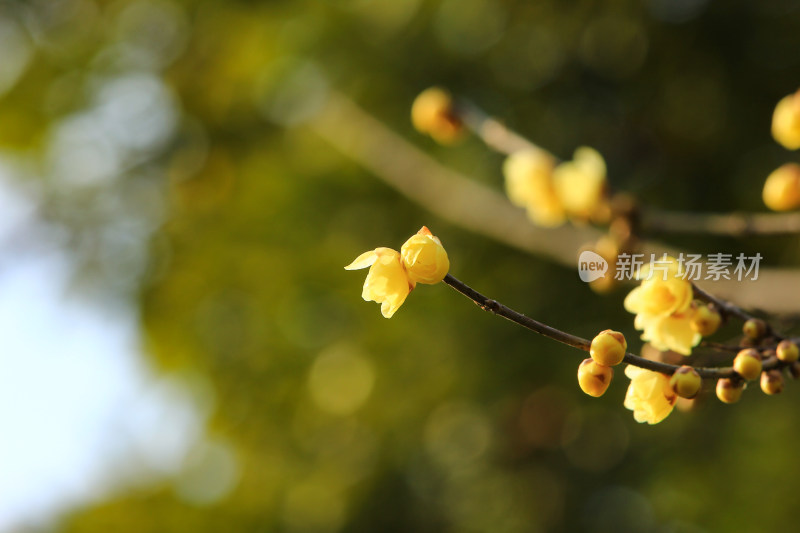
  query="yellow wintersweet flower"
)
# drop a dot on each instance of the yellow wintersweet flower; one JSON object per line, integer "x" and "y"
{"x": 663, "y": 308}
{"x": 424, "y": 258}
{"x": 580, "y": 184}
{"x": 529, "y": 184}
{"x": 387, "y": 282}
{"x": 649, "y": 395}
{"x": 672, "y": 332}
{"x": 786, "y": 122}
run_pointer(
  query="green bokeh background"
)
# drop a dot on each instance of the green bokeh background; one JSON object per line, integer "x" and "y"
{"x": 443, "y": 418}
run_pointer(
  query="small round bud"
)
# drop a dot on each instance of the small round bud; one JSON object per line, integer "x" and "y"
{"x": 747, "y": 364}
{"x": 786, "y": 122}
{"x": 782, "y": 189}
{"x": 608, "y": 348}
{"x": 594, "y": 378}
{"x": 755, "y": 329}
{"x": 433, "y": 113}
{"x": 729, "y": 391}
{"x": 772, "y": 382}
{"x": 705, "y": 320}
{"x": 794, "y": 370}
{"x": 787, "y": 351}
{"x": 686, "y": 382}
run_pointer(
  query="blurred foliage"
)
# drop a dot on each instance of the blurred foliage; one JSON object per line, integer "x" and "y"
{"x": 167, "y": 137}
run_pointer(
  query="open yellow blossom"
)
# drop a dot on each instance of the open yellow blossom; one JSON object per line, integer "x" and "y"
{"x": 424, "y": 258}
{"x": 786, "y": 122}
{"x": 649, "y": 395}
{"x": 663, "y": 308}
{"x": 580, "y": 184}
{"x": 529, "y": 184}
{"x": 673, "y": 332}
{"x": 387, "y": 282}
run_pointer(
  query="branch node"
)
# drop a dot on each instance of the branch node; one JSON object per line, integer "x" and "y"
{"x": 492, "y": 306}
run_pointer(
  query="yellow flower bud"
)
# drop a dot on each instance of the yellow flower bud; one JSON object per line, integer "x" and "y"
{"x": 782, "y": 188}
{"x": 686, "y": 382}
{"x": 772, "y": 382}
{"x": 729, "y": 391}
{"x": 608, "y": 348}
{"x": 787, "y": 351}
{"x": 649, "y": 395}
{"x": 387, "y": 282}
{"x": 705, "y": 320}
{"x": 580, "y": 184}
{"x": 754, "y": 329}
{"x": 747, "y": 364}
{"x": 424, "y": 258}
{"x": 432, "y": 113}
{"x": 786, "y": 122}
{"x": 594, "y": 378}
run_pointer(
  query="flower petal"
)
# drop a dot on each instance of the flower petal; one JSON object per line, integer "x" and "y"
{"x": 363, "y": 261}
{"x": 633, "y": 301}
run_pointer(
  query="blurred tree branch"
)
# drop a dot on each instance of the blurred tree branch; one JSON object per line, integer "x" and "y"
{"x": 470, "y": 205}
{"x": 652, "y": 220}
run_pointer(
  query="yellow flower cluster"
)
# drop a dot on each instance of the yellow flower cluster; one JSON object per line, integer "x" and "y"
{"x": 550, "y": 193}
{"x": 665, "y": 312}
{"x": 392, "y": 274}
{"x": 650, "y": 395}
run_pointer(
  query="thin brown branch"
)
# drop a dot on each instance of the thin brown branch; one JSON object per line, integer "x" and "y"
{"x": 657, "y": 221}
{"x": 729, "y": 309}
{"x": 720, "y": 347}
{"x": 725, "y": 307}
{"x": 497, "y": 308}
{"x": 574, "y": 341}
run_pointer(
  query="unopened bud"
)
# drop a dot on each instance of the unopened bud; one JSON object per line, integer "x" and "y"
{"x": 755, "y": 329}
{"x": 729, "y": 391}
{"x": 772, "y": 382}
{"x": 433, "y": 113}
{"x": 594, "y": 378}
{"x": 686, "y": 382}
{"x": 748, "y": 364}
{"x": 787, "y": 351}
{"x": 608, "y": 348}
{"x": 786, "y": 121}
{"x": 705, "y": 321}
{"x": 782, "y": 189}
